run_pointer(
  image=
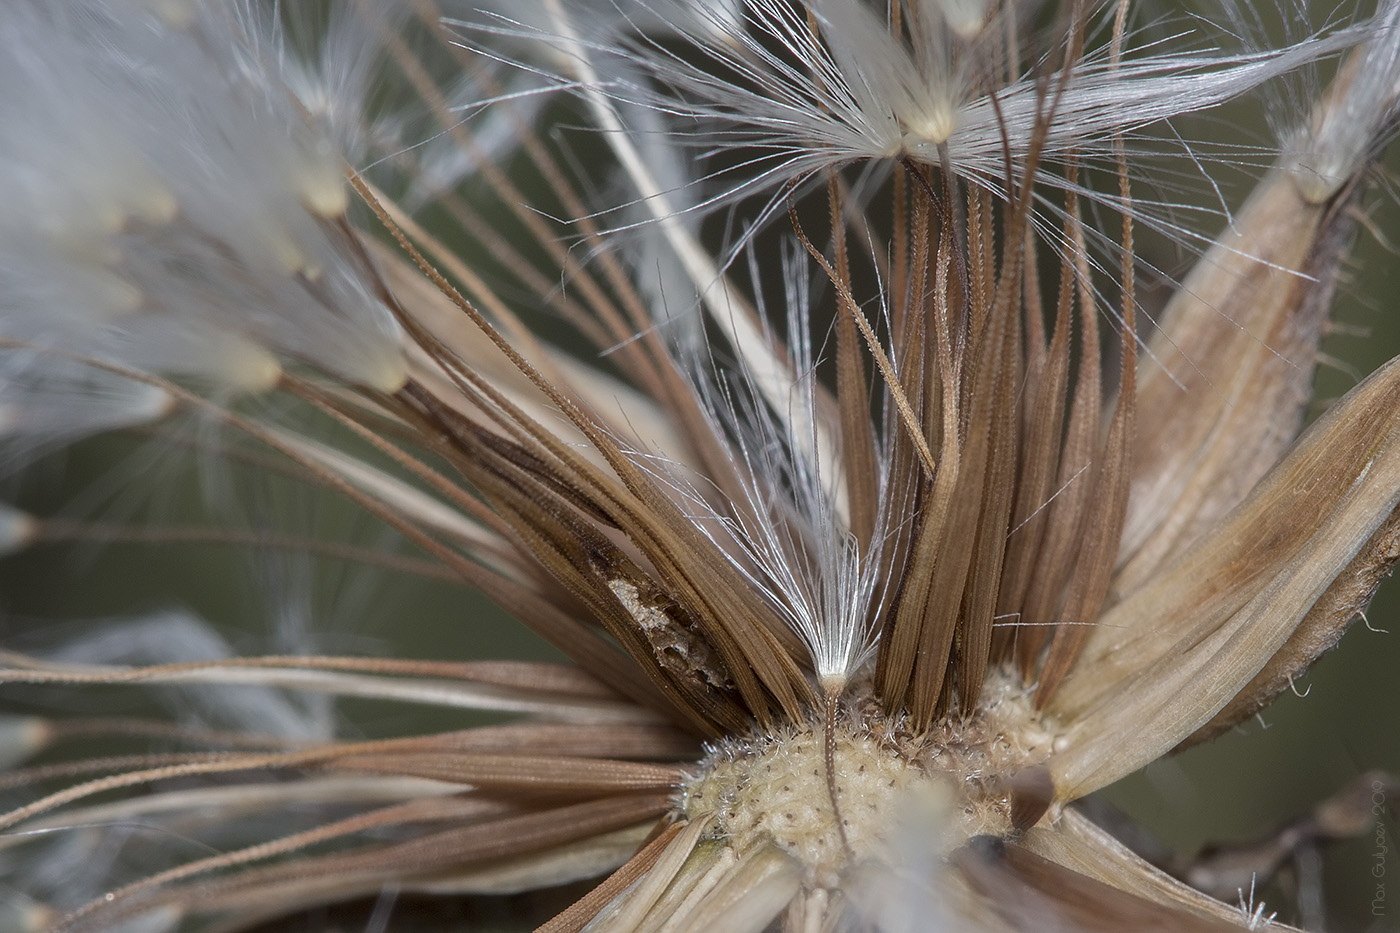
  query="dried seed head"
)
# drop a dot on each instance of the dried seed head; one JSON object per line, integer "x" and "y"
{"x": 932, "y": 543}
{"x": 771, "y": 786}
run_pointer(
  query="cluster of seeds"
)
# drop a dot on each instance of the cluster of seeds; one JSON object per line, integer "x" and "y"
{"x": 771, "y": 787}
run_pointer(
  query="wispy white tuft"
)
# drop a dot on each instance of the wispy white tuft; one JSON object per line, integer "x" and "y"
{"x": 175, "y": 637}
{"x": 493, "y": 102}
{"x": 175, "y": 195}
{"x": 797, "y": 101}
{"x": 1366, "y": 109}
{"x": 788, "y": 531}
{"x": 48, "y": 400}
{"x": 763, "y": 364}
{"x": 911, "y": 894}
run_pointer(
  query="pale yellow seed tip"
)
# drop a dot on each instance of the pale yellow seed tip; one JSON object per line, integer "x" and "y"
{"x": 249, "y": 368}
{"x": 178, "y": 14}
{"x": 966, "y": 18}
{"x": 17, "y": 531}
{"x": 109, "y": 216}
{"x": 263, "y": 375}
{"x": 325, "y": 195}
{"x": 156, "y": 204}
{"x": 389, "y": 376}
{"x": 21, "y": 737}
{"x": 286, "y": 254}
{"x": 933, "y": 127}
{"x": 153, "y": 404}
{"x": 966, "y": 28}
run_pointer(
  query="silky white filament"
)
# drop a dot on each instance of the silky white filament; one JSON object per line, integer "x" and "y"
{"x": 789, "y": 534}
{"x": 173, "y": 198}
{"x": 797, "y": 101}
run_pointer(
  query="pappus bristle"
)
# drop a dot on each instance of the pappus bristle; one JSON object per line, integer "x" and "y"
{"x": 177, "y": 199}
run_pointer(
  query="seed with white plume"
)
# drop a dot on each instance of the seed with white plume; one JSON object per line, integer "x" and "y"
{"x": 172, "y": 209}
{"x": 46, "y": 400}
{"x": 809, "y": 87}
{"x": 1367, "y": 99}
